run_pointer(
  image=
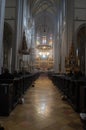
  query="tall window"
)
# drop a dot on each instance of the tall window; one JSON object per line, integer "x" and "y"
{"x": 44, "y": 40}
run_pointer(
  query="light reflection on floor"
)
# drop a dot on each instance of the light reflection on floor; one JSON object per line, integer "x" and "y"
{"x": 43, "y": 109}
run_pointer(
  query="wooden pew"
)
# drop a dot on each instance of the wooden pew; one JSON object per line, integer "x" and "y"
{"x": 11, "y": 90}
{"x": 6, "y": 99}
{"x": 73, "y": 89}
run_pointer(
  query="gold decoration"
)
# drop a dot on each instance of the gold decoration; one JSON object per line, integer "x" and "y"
{"x": 72, "y": 62}
{"x": 44, "y": 47}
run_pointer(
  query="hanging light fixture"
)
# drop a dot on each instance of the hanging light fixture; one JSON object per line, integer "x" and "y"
{"x": 44, "y": 46}
{"x": 24, "y": 49}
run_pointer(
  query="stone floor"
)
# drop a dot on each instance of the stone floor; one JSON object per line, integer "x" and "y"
{"x": 42, "y": 109}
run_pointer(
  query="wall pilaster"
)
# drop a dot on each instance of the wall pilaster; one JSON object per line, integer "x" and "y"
{"x": 2, "y": 14}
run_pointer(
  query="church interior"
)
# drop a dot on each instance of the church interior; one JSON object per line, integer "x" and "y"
{"x": 42, "y": 64}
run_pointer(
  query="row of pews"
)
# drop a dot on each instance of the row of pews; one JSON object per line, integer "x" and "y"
{"x": 11, "y": 90}
{"x": 74, "y": 89}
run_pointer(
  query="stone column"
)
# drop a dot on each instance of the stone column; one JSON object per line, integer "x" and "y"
{"x": 69, "y": 20}
{"x": 19, "y": 31}
{"x": 67, "y": 29}
{"x": 85, "y": 60}
{"x": 18, "y": 34}
{"x": 63, "y": 50}
{"x": 55, "y": 47}
{"x": 55, "y": 57}
{"x": 22, "y": 25}
{"x": 2, "y": 15}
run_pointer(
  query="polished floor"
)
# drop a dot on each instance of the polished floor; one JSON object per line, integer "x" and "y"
{"x": 43, "y": 109}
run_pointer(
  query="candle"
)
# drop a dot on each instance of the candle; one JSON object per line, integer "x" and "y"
{"x": 78, "y": 62}
{"x": 77, "y": 52}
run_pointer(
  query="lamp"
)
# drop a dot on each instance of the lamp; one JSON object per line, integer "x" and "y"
{"x": 44, "y": 46}
{"x": 24, "y": 49}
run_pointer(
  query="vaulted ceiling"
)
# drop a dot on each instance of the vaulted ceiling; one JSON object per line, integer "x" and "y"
{"x": 44, "y": 12}
{"x": 38, "y": 6}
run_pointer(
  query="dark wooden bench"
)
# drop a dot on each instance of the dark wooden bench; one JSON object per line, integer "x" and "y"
{"x": 11, "y": 90}
{"x": 6, "y": 99}
{"x": 73, "y": 89}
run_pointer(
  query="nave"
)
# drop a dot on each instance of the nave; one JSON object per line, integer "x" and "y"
{"x": 43, "y": 109}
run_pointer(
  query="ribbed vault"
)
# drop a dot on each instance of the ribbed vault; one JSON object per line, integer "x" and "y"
{"x": 38, "y": 6}
{"x": 44, "y": 12}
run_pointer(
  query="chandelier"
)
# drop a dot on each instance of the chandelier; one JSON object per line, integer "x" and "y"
{"x": 44, "y": 30}
{"x": 44, "y": 47}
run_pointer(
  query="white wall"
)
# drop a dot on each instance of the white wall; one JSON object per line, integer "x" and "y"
{"x": 80, "y": 13}
{"x": 10, "y": 12}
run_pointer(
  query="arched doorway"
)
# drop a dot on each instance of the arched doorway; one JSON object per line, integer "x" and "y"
{"x": 7, "y": 46}
{"x": 81, "y": 45}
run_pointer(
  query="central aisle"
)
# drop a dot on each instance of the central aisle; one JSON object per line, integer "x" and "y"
{"x": 43, "y": 109}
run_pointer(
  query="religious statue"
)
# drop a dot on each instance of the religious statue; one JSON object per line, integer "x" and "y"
{"x": 72, "y": 62}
